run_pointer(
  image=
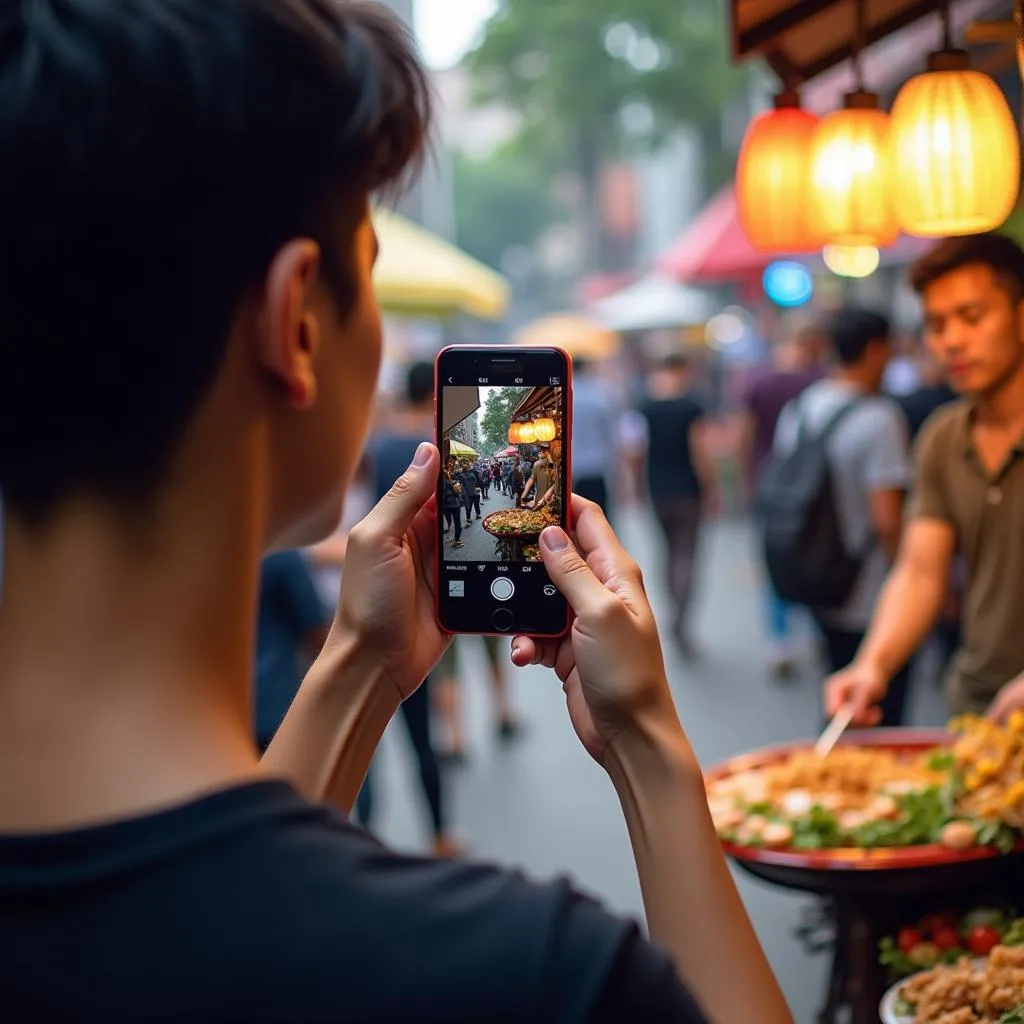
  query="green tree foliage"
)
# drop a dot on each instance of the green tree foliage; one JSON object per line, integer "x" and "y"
{"x": 504, "y": 201}
{"x": 594, "y": 79}
{"x": 497, "y": 417}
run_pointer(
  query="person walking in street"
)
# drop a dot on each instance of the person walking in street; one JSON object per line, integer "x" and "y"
{"x": 595, "y": 414}
{"x": 867, "y": 458}
{"x": 451, "y": 506}
{"x": 196, "y": 245}
{"x": 516, "y": 481}
{"x": 679, "y": 480}
{"x": 794, "y": 367}
{"x": 968, "y": 492}
{"x": 293, "y": 627}
{"x": 470, "y": 492}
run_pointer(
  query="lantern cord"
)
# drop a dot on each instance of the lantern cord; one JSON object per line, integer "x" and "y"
{"x": 859, "y": 43}
{"x": 947, "y": 26}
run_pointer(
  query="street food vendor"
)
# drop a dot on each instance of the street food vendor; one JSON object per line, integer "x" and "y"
{"x": 968, "y": 495}
{"x": 542, "y": 479}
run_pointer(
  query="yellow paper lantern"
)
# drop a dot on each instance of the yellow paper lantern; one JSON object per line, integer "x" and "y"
{"x": 955, "y": 151}
{"x": 527, "y": 433}
{"x": 513, "y": 433}
{"x": 851, "y": 180}
{"x": 546, "y": 429}
{"x": 773, "y": 179}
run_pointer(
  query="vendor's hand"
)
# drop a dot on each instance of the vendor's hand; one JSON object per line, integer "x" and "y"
{"x": 387, "y": 604}
{"x": 861, "y": 686}
{"x": 610, "y": 663}
{"x": 1009, "y": 699}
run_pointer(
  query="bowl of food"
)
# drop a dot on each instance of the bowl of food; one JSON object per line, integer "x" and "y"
{"x": 885, "y": 798}
{"x": 985, "y": 990}
{"x": 520, "y": 522}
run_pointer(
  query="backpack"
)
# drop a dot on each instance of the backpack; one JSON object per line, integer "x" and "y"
{"x": 804, "y": 550}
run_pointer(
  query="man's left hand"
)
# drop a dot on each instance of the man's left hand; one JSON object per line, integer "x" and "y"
{"x": 388, "y": 599}
{"x": 1009, "y": 699}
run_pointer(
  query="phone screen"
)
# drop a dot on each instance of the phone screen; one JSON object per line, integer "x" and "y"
{"x": 504, "y": 424}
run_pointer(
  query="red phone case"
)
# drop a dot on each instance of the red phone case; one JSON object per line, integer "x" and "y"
{"x": 566, "y": 462}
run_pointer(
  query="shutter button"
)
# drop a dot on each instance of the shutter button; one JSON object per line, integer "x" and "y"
{"x": 995, "y": 495}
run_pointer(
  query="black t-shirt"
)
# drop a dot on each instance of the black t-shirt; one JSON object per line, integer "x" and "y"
{"x": 252, "y": 905}
{"x": 670, "y": 470}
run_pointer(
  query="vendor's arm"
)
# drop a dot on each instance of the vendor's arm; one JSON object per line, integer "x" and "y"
{"x": 914, "y": 595}
{"x": 1009, "y": 699}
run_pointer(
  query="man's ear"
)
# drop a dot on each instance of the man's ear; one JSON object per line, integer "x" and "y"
{"x": 290, "y": 336}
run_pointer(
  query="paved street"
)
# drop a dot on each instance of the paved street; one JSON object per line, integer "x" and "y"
{"x": 544, "y": 806}
{"x": 479, "y": 545}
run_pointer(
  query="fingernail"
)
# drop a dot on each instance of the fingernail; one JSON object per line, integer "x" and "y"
{"x": 515, "y": 650}
{"x": 423, "y": 454}
{"x": 554, "y": 538}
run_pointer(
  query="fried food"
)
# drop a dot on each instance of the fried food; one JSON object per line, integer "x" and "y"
{"x": 511, "y": 522}
{"x": 966, "y": 993}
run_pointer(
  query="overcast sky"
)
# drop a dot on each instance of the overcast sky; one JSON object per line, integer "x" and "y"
{"x": 447, "y": 28}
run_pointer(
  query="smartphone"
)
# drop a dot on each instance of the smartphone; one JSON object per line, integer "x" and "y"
{"x": 504, "y": 425}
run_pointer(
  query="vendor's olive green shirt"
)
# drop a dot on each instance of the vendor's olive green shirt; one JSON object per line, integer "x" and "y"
{"x": 987, "y": 513}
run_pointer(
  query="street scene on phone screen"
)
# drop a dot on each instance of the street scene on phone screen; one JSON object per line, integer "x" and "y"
{"x": 502, "y": 478}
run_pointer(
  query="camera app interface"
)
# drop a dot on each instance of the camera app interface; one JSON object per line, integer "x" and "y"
{"x": 502, "y": 485}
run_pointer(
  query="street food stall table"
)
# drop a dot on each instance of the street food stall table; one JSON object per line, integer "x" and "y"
{"x": 869, "y": 894}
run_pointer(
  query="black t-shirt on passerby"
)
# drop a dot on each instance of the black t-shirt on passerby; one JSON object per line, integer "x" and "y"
{"x": 670, "y": 470}
{"x": 253, "y": 905}
{"x": 921, "y": 403}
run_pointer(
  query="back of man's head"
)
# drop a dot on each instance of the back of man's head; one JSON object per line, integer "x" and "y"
{"x": 853, "y": 330}
{"x": 419, "y": 384}
{"x": 157, "y": 155}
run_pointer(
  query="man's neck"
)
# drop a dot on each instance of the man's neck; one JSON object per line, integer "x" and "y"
{"x": 856, "y": 377}
{"x": 1004, "y": 407}
{"x": 125, "y": 662}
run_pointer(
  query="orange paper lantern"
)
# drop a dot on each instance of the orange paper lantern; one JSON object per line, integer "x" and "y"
{"x": 773, "y": 179}
{"x": 851, "y": 179}
{"x": 527, "y": 433}
{"x": 955, "y": 151}
{"x": 513, "y": 433}
{"x": 546, "y": 429}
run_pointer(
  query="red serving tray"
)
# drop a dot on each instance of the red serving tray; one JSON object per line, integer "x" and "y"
{"x": 847, "y": 859}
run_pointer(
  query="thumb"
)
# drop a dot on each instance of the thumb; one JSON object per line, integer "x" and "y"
{"x": 569, "y": 572}
{"x": 395, "y": 512}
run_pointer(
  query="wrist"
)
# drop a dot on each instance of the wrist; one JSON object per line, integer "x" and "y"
{"x": 652, "y": 752}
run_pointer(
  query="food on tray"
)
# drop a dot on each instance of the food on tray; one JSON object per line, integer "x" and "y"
{"x": 987, "y": 992}
{"x": 531, "y": 553}
{"x": 515, "y": 521}
{"x": 962, "y": 796}
{"x": 991, "y": 762}
{"x": 946, "y": 938}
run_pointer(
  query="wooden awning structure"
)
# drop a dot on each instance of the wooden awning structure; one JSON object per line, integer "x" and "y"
{"x": 801, "y": 39}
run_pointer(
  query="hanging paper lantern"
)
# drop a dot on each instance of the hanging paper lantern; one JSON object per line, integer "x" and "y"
{"x": 513, "y": 433}
{"x": 955, "y": 151}
{"x": 546, "y": 429}
{"x": 527, "y": 433}
{"x": 851, "y": 177}
{"x": 773, "y": 179}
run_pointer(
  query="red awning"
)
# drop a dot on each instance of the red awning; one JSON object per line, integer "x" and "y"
{"x": 714, "y": 248}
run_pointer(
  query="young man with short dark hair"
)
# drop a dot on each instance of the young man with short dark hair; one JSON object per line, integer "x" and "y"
{"x": 968, "y": 494}
{"x": 191, "y": 347}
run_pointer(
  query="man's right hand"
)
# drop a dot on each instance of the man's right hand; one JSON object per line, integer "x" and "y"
{"x": 861, "y": 686}
{"x": 611, "y": 662}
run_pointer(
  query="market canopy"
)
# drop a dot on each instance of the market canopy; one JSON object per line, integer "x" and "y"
{"x": 803, "y": 38}
{"x": 654, "y": 303}
{"x": 459, "y": 404}
{"x": 580, "y": 336}
{"x": 460, "y": 449}
{"x": 420, "y": 274}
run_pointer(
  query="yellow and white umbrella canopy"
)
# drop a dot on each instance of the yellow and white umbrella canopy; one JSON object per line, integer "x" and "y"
{"x": 420, "y": 274}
